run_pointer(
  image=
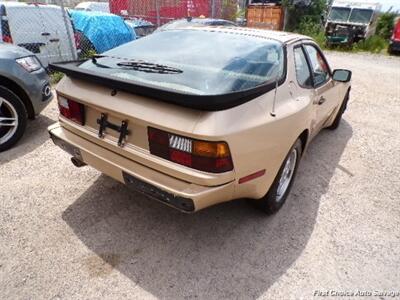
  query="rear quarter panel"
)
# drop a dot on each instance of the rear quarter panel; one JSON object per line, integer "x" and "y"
{"x": 257, "y": 139}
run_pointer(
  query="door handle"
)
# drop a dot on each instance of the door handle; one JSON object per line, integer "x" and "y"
{"x": 321, "y": 100}
{"x": 45, "y": 34}
{"x": 54, "y": 40}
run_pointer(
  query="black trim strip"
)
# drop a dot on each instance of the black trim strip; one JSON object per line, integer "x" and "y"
{"x": 308, "y": 67}
{"x": 70, "y": 149}
{"x": 181, "y": 203}
{"x": 200, "y": 102}
{"x": 318, "y": 49}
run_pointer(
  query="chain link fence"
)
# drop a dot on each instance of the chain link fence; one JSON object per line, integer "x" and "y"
{"x": 45, "y": 30}
{"x": 62, "y": 30}
{"x": 160, "y": 12}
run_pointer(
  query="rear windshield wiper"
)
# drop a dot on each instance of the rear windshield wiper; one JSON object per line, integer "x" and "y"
{"x": 149, "y": 67}
{"x": 138, "y": 66}
{"x": 94, "y": 61}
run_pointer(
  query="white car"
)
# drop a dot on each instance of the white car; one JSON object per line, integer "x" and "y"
{"x": 39, "y": 28}
{"x": 94, "y": 6}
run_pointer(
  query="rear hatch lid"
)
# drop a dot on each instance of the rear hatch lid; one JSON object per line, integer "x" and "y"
{"x": 179, "y": 67}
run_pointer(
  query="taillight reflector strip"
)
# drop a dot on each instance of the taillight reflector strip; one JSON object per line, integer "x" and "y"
{"x": 251, "y": 176}
{"x": 213, "y": 157}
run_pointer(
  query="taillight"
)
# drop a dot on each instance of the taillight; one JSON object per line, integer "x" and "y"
{"x": 72, "y": 110}
{"x": 77, "y": 38}
{"x": 213, "y": 157}
{"x": 7, "y": 39}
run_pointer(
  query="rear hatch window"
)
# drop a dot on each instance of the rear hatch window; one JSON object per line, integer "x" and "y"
{"x": 194, "y": 61}
{"x": 196, "y": 68}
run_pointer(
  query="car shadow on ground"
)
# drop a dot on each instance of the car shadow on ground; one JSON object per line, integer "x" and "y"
{"x": 35, "y": 135}
{"x": 225, "y": 251}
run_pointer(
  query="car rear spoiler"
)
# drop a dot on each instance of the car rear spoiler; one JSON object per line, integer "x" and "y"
{"x": 199, "y": 102}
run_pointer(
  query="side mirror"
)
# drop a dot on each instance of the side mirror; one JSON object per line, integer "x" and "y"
{"x": 342, "y": 75}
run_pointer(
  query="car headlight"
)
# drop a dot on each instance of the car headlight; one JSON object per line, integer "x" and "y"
{"x": 29, "y": 63}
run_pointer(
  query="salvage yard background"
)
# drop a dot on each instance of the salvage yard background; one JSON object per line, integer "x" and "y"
{"x": 76, "y": 234}
{"x": 59, "y": 32}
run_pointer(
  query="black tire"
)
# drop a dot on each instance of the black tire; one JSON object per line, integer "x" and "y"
{"x": 271, "y": 203}
{"x": 391, "y": 51}
{"x": 338, "y": 117}
{"x": 21, "y": 115}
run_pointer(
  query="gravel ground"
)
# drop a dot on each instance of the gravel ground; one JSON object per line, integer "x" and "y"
{"x": 76, "y": 234}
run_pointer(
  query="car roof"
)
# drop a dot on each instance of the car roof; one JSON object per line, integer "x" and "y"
{"x": 281, "y": 36}
{"x": 23, "y": 4}
{"x": 202, "y": 20}
{"x": 195, "y": 22}
{"x": 89, "y": 3}
{"x": 89, "y": 15}
{"x": 374, "y": 5}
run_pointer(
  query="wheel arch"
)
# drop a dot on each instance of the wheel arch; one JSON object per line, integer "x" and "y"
{"x": 20, "y": 92}
{"x": 304, "y": 136}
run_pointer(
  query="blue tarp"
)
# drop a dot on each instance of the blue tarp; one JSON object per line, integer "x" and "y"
{"x": 105, "y": 31}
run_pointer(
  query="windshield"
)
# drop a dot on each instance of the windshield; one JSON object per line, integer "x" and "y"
{"x": 195, "y": 61}
{"x": 339, "y": 14}
{"x": 360, "y": 15}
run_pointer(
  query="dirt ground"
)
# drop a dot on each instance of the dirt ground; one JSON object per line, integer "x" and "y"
{"x": 76, "y": 234}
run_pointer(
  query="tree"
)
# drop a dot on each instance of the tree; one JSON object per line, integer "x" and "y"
{"x": 385, "y": 25}
{"x": 304, "y": 16}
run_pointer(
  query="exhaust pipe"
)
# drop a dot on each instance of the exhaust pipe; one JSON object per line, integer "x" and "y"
{"x": 77, "y": 162}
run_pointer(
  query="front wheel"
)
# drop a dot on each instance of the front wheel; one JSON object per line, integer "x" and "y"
{"x": 283, "y": 182}
{"x": 13, "y": 118}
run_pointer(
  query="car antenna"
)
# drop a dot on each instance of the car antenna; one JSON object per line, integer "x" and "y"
{"x": 273, "y": 114}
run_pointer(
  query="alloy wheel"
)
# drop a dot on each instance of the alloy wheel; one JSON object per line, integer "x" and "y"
{"x": 8, "y": 120}
{"x": 287, "y": 175}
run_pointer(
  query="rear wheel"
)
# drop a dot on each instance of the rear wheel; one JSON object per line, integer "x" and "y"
{"x": 13, "y": 118}
{"x": 283, "y": 182}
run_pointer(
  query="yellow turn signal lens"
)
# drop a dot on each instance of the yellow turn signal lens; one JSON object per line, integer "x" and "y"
{"x": 211, "y": 149}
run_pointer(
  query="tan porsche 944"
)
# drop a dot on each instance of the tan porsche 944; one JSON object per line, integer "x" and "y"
{"x": 199, "y": 116}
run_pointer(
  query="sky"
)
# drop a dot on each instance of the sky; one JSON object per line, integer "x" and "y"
{"x": 386, "y": 4}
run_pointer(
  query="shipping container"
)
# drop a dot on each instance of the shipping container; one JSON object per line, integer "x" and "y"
{"x": 162, "y": 11}
{"x": 265, "y": 16}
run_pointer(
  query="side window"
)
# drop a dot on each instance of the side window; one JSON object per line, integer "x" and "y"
{"x": 302, "y": 70}
{"x": 319, "y": 66}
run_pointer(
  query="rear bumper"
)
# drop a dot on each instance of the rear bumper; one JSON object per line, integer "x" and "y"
{"x": 185, "y": 196}
{"x": 337, "y": 40}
